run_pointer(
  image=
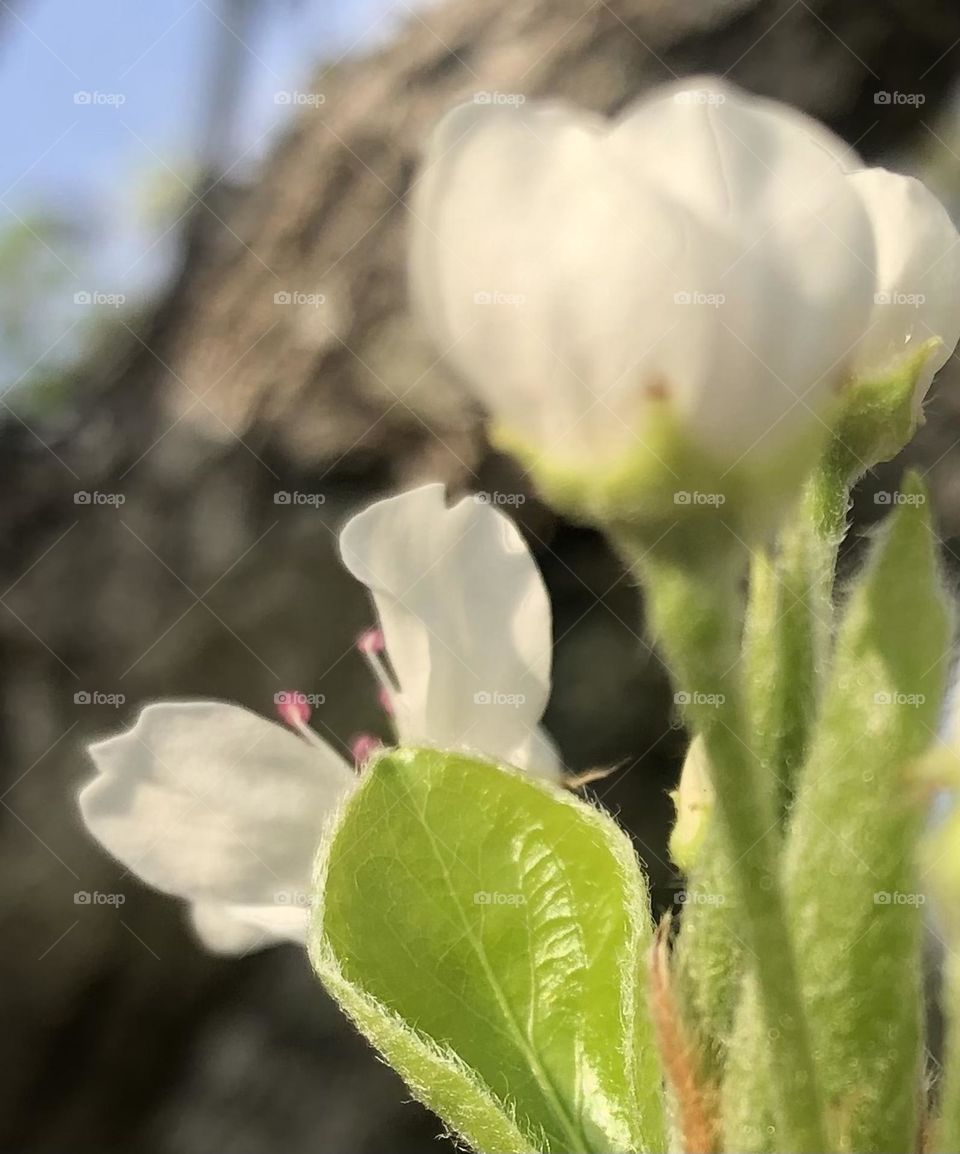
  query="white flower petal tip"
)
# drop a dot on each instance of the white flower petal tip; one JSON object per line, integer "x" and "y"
{"x": 466, "y": 624}
{"x": 683, "y": 290}
{"x": 212, "y": 803}
{"x": 917, "y": 291}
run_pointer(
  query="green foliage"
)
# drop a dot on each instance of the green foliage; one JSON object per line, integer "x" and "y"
{"x": 696, "y": 609}
{"x": 487, "y": 933}
{"x": 852, "y": 885}
{"x": 709, "y": 955}
{"x": 786, "y": 632}
{"x": 852, "y": 890}
{"x": 748, "y": 1091}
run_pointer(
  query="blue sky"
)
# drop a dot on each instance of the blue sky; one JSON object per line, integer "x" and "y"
{"x": 146, "y": 64}
{"x": 154, "y": 54}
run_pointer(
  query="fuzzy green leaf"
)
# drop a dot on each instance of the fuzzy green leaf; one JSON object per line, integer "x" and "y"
{"x": 710, "y": 955}
{"x": 487, "y": 933}
{"x": 852, "y": 888}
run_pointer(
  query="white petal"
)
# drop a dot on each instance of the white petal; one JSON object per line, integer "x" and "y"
{"x": 233, "y": 929}
{"x": 720, "y": 150}
{"x": 213, "y": 803}
{"x": 538, "y": 756}
{"x": 918, "y": 271}
{"x": 601, "y": 239}
{"x": 785, "y": 247}
{"x": 465, "y": 617}
{"x": 515, "y": 216}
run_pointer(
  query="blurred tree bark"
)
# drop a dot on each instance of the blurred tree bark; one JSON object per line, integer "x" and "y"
{"x": 243, "y": 384}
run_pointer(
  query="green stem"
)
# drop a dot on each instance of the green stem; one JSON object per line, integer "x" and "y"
{"x": 789, "y": 626}
{"x": 822, "y": 525}
{"x": 695, "y": 613}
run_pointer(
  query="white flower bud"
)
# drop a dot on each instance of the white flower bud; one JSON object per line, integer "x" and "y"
{"x": 668, "y": 301}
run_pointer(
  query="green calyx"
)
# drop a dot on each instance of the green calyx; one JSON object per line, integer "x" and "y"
{"x": 879, "y": 415}
{"x": 669, "y": 486}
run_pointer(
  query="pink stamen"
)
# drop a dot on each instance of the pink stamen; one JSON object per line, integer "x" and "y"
{"x": 292, "y": 708}
{"x": 363, "y": 747}
{"x": 372, "y": 645}
{"x": 371, "y": 642}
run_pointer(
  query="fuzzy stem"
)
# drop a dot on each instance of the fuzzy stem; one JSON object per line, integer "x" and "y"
{"x": 696, "y": 615}
{"x": 789, "y": 625}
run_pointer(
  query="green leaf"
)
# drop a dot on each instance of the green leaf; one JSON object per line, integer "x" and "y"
{"x": 940, "y": 865}
{"x": 694, "y": 608}
{"x": 748, "y": 1091}
{"x": 710, "y": 962}
{"x": 487, "y": 933}
{"x": 789, "y": 620}
{"x": 852, "y": 888}
{"x": 708, "y": 952}
{"x": 786, "y": 639}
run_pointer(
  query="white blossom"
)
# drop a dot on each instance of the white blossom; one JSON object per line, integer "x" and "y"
{"x": 707, "y": 255}
{"x": 212, "y": 803}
